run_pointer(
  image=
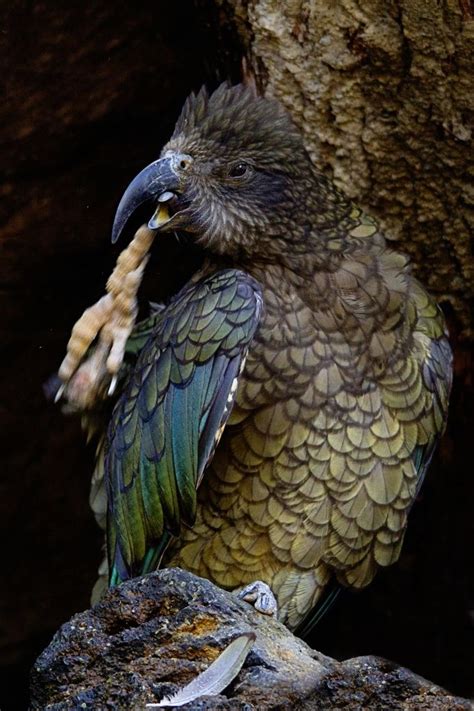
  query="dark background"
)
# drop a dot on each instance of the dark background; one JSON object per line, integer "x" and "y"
{"x": 90, "y": 96}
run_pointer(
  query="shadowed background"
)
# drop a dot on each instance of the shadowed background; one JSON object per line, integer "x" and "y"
{"x": 91, "y": 94}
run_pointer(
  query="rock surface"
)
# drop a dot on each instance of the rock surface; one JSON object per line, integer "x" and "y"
{"x": 153, "y": 635}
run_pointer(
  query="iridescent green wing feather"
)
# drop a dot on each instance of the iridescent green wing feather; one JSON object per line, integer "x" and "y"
{"x": 140, "y": 335}
{"x": 171, "y": 413}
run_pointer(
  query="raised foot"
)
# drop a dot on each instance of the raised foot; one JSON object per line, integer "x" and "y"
{"x": 260, "y": 596}
{"x": 96, "y": 349}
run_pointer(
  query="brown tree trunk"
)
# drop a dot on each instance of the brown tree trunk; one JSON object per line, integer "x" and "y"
{"x": 384, "y": 95}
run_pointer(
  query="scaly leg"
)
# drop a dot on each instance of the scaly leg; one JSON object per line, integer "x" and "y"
{"x": 90, "y": 375}
{"x": 259, "y": 595}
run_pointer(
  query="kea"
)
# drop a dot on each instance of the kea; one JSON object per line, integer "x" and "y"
{"x": 279, "y": 413}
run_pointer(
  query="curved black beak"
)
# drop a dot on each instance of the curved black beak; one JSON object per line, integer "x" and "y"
{"x": 149, "y": 184}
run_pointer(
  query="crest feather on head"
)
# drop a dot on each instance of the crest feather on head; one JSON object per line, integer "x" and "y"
{"x": 233, "y": 112}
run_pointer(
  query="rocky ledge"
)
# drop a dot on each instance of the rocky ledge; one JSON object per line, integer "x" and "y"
{"x": 153, "y": 635}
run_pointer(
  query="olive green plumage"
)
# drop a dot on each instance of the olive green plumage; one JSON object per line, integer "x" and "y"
{"x": 344, "y": 381}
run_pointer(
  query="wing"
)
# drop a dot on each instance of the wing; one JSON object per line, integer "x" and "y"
{"x": 436, "y": 376}
{"x": 138, "y": 338}
{"x": 168, "y": 420}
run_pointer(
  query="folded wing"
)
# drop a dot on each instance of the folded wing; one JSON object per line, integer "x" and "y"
{"x": 167, "y": 422}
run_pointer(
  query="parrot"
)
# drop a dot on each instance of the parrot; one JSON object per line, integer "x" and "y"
{"x": 280, "y": 411}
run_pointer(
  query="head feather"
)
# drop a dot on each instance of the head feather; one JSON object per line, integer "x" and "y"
{"x": 235, "y": 114}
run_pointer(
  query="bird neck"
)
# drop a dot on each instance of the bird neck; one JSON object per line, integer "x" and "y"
{"x": 319, "y": 243}
{"x": 313, "y": 230}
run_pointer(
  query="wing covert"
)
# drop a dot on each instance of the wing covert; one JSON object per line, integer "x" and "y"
{"x": 169, "y": 418}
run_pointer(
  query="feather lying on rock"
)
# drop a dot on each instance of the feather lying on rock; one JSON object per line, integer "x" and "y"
{"x": 216, "y": 677}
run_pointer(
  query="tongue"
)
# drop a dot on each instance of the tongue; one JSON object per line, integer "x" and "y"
{"x": 161, "y": 215}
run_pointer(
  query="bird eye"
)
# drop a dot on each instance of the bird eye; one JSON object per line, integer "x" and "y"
{"x": 239, "y": 170}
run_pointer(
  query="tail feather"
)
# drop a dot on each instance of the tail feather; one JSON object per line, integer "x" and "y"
{"x": 318, "y": 612}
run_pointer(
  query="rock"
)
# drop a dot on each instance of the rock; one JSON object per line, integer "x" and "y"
{"x": 152, "y": 635}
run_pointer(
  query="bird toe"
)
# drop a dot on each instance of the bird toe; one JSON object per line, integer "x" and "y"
{"x": 259, "y": 595}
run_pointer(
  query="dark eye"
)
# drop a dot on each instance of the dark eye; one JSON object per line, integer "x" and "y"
{"x": 239, "y": 170}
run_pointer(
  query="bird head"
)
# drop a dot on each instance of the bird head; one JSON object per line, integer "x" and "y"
{"x": 235, "y": 169}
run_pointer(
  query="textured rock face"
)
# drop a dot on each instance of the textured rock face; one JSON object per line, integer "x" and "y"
{"x": 383, "y": 94}
{"x": 154, "y": 634}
